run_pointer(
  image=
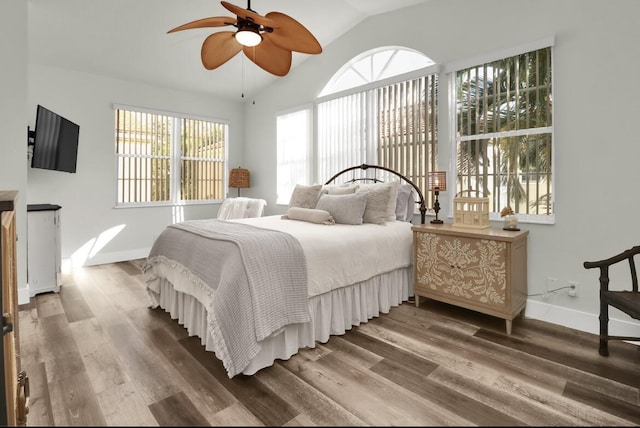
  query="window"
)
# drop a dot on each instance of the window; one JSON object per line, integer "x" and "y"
{"x": 394, "y": 126}
{"x": 167, "y": 159}
{"x": 385, "y": 114}
{"x": 294, "y": 152}
{"x": 504, "y": 133}
{"x": 374, "y": 66}
{"x": 380, "y": 108}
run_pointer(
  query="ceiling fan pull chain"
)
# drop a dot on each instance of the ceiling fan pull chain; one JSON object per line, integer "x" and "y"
{"x": 242, "y": 77}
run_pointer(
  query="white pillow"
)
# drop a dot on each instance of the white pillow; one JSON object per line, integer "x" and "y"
{"x": 381, "y": 202}
{"x": 305, "y": 196}
{"x": 411, "y": 206}
{"x": 345, "y": 209}
{"x": 339, "y": 189}
{"x": 405, "y": 203}
{"x": 311, "y": 215}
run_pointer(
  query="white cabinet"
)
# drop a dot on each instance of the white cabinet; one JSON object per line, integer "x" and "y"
{"x": 44, "y": 271}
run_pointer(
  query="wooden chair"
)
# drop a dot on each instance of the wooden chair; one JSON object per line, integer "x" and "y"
{"x": 628, "y": 301}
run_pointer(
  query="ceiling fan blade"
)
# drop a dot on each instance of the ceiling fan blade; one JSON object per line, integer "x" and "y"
{"x": 248, "y": 14}
{"x": 270, "y": 57}
{"x": 219, "y": 48}
{"x": 292, "y": 35}
{"x": 214, "y": 21}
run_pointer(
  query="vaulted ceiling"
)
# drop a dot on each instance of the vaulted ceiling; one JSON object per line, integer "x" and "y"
{"x": 127, "y": 39}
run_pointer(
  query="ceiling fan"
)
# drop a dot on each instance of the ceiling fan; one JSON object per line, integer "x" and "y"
{"x": 267, "y": 40}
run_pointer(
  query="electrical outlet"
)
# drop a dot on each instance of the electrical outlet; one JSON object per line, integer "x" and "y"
{"x": 552, "y": 284}
{"x": 573, "y": 291}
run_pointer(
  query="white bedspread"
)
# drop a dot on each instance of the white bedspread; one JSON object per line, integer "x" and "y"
{"x": 253, "y": 280}
{"x": 353, "y": 273}
{"x": 339, "y": 255}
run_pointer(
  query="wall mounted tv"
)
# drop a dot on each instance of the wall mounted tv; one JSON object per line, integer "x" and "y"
{"x": 55, "y": 142}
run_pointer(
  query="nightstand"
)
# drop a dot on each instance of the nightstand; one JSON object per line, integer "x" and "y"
{"x": 484, "y": 270}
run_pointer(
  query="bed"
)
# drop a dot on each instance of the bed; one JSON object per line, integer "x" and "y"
{"x": 255, "y": 290}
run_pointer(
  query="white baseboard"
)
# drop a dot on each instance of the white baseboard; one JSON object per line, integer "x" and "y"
{"x": 579, "y": 320}
{"x": 104, "y": 258}
{"x": 24, "y": 293}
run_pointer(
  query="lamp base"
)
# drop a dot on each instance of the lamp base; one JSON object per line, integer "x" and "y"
{"x": 436, "y": 208}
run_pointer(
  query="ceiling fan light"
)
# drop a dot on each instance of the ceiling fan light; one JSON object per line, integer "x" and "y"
{"x": 248, "y": 37}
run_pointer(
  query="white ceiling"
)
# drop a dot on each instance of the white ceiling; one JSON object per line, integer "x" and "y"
{"x": 128, "y": 39}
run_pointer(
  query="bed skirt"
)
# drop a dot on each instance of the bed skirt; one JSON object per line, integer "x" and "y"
{"x": 332, "y": 313}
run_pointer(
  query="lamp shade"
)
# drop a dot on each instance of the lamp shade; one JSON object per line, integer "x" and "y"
{"x": 248, "y": 36}
{"x": 437, "y": 180}
{"x": 239, "y": 177}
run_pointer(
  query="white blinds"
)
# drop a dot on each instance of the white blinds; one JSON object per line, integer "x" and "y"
{"x": 393, "y": 125}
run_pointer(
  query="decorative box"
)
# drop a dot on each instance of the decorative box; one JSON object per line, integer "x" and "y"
{"x": 472, "y": 212}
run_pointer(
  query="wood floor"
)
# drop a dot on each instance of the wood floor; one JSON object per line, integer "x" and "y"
{"x": 96, "y": 355}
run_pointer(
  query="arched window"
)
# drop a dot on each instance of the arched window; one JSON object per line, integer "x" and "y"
{"x": 380, "y": 108}
{"x": 375, "y": 65}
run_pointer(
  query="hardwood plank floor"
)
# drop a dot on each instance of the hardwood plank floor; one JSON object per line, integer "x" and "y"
{"x": 97, "y": 355}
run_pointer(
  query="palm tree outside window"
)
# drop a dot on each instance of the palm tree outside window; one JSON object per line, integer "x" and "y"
{"x": 504, "y": 132}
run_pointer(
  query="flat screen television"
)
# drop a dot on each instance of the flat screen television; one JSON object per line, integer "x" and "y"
{"x": 55, "y": 142}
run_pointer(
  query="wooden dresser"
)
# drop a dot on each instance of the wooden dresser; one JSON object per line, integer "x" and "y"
{"x": 14, "y": 384}
{"x": 480, "y": 269}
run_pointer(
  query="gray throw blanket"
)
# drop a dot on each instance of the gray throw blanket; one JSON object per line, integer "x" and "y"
{"x": 258, "y": 277}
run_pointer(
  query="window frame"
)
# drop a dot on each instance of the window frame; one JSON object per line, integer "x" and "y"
{"x": 369, "y": 91}
{"x": 309, "y": 111}
{"x": 175, "y": 159}
{"x": 327, "y": 91}
{"x": 451, "y": 70}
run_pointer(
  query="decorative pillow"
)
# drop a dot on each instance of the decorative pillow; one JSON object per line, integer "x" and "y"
{"x": 381, "y": 202}
{"x": 411, "y": 206}
{"x": 311, "y": 215}
{"x": 404, "y": 203}
{"x": 340, "y": 189}
{"x": 345, "y": 209}
{"x": 305, "y": 196}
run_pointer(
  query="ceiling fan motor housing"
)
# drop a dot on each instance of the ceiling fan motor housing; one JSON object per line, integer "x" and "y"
{"x": 248, "y": 33}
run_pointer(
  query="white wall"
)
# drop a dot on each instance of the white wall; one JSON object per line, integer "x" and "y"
{"x": 92, "y": 230}
{"x": 595, "y": 105}
{"x": 13, "y": 122}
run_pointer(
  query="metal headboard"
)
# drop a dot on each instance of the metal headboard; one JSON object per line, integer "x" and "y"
{"x": 364, "y": 167}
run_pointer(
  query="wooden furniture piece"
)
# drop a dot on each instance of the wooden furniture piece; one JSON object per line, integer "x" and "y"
{"x": 14, "y": 385}
{"x": 628, "y": 301}
{"x": 480, "y": 269}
